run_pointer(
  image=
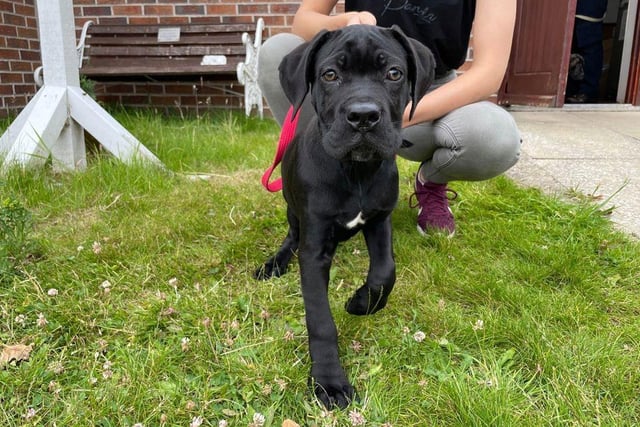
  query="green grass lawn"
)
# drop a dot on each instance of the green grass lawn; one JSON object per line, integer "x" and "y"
{"x": 133, "y": 287}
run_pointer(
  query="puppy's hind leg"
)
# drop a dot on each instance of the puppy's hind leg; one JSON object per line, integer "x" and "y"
{"x": 277, "y": 265}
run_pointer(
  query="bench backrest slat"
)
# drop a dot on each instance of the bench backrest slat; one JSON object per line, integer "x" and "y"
{"x": 184, "y": 29}
{"x": 165, "y": 51}
{"x": 157, "y": 66}
{"x": 137, "y": 40}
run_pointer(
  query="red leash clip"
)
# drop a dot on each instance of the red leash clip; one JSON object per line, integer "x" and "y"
{"x": 286, "y": 135}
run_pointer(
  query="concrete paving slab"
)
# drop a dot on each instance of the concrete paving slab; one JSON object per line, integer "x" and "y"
{"x": 572, "y": 135}
{"x": 593, "y": 153}
{"x": 627, "y": 122}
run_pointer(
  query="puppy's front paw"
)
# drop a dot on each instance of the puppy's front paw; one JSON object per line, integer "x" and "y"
{"x": 269, "y": 269}
{"x": 332, "y": 388}
{"x": 366, "y": 301}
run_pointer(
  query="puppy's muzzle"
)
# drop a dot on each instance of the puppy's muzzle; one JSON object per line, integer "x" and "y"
{"x": 363, "y": 116}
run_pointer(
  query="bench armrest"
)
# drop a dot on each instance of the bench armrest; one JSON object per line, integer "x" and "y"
{"x": 81, "y": 42}
{"x": 38, "y": 73}
{"x": 248, "y": 71}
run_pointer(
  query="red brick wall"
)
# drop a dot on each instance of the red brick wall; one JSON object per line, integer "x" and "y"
{"x": 19, "y": 54}
{"x": 277, "y": 14}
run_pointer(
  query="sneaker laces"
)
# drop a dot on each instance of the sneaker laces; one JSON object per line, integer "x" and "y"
{"x": 437, "y": 197}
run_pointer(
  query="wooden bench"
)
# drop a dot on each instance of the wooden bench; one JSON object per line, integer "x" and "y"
{"x": 221, "y": 51}
{"x": 162, "y": 50}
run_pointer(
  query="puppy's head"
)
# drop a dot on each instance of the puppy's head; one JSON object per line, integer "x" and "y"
{"x": 360, "y": 78}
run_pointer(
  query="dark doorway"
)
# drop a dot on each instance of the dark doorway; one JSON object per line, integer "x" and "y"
{"x": 597, "y": 73}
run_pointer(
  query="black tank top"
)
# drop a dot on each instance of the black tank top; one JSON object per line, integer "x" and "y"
{"x": 442, "y": 25}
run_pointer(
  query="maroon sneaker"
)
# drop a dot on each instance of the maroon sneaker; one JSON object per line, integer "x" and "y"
{"x": 434, "y": 213}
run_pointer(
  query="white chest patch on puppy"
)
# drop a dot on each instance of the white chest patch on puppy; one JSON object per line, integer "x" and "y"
{"x": 358, "y": 220}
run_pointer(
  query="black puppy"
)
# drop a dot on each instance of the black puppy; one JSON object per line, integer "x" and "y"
{"x": 339, "y": 175}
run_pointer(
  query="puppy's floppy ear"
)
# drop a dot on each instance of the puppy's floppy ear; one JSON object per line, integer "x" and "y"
{"x": 422, "y": 66}
{"x": 297, "y": 69}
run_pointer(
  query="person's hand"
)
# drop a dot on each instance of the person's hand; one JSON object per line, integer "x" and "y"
{"x": 361, "y": 18}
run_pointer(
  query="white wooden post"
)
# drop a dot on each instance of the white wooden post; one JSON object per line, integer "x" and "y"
{"x": 53, "y": 122}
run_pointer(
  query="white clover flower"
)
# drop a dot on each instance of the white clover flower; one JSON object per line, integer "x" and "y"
{"x": 419, "y": 336}
{"x": 96, "y": 247}
{"x": 196, "y": 422}
{"x": 282, "y": 384}
{"x": 42, "y": 321}
{"x": 21, "y": 319}
{"x": 478, "y": 325}
{"x": 267, "y": 389}
{"x": 222, "y": 423}
{"x": 356, "y": 418}
{"x": 258, "y": 419}
{"x": 52, "y": 292}
{"x": 56, "y": 367}
{"x": 106, "y": 370}
{"x": 30, "y": 413}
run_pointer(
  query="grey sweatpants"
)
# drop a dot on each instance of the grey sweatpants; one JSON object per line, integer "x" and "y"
{"x": 472, "y": 143}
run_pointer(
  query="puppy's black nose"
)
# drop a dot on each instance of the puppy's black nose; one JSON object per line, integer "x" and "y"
{"x": 363, "y": 116}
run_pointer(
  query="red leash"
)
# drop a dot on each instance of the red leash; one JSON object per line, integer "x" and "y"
{"x": 286, "y": 135}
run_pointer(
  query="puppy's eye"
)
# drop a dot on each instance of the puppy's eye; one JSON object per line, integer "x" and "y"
{"x": 394, "y": 74}
{"x": 329, "y": 76}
